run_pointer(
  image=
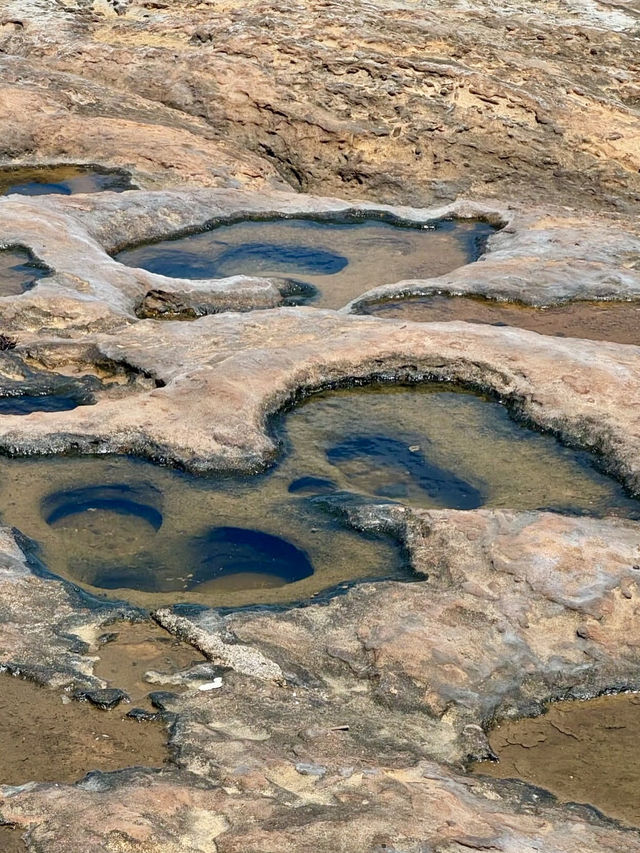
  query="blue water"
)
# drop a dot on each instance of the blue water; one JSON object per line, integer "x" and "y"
{"x": 141, "y": 501}
{"x": 397, "y": 460}
{"x": 225, "y": 551}
{"x": 339, "y": 259}
{"x": 25, "y": 404}
{"x": 18, "y": 271}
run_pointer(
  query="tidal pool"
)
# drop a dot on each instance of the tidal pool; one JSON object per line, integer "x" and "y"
{"x": 11, "y": 840}
{"x": 596, "y": 321}
{"x": 61, "y": 180}
{"x": 583, "y": 752}
{"x": 340, "y": 259}
{"x": 18, "y": 271}
{"x": 45, "y": 737}
{"x": 123, "y": 528}
{"x": 24, "y": 404}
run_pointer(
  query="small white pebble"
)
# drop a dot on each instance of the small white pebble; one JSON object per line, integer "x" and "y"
{"x": 211, "y": 685}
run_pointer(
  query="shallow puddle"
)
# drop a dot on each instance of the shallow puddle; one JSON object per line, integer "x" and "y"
{"x": 73, "y": 737}
{"x": 131, "y": 650}
{"x": 61, "y": 180}
{"x": 11, "y": 840}
{"x": 24, "y": 404}
{"x": 596, "y": 321}
{"x": 584, "y": 752}
{"x": 129, "y": 529}
{"x": 18, "y": 271}
{"x": 340, "y": 259}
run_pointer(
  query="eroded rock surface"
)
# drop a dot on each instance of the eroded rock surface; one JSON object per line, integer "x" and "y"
{"x": 333, "y": 742}
{"x": 386, "y": 99}
{"x": 345, "y": 724}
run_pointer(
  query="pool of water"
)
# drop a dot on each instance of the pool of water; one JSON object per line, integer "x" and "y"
{"x": 128, "y": 651}
{"x": 44, "y": 740}
{"x": 26, "y": 403}
{"x": 61, "y": 180}
{"x": 340, "y": 259}
{"x": 583, "y": 752}
{"x": 18, "y": 271}
{"x": 597, "y": 321}
{"x": 130, "y": 529}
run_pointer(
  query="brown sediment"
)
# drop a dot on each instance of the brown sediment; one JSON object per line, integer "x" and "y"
{"x": 133, "y": 649}
{"x": 585, "y": 752}
{"x": 596, "y": 321}
{"x": 11, "y": 840}
{"x": 46, "y": 736}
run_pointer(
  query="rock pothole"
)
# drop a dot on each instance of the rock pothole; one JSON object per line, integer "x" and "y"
{"x": 48, "y": 381}
{"x": 127, "y": 529}
{"x": 599, "y": 321}
{"x": 61, "y": 180}
{"x": 19, "y": 271}
{"x": 334, "y": 261}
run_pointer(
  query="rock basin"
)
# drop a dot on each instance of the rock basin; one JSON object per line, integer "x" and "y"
{"x": 127, "y": 529}
{"x": 19, "y": 271}
{"x": 593, "y": 320}
{"x": 580, "y": 751}
{"x": 338, "y": 259}
{"x": 61, "y": 180}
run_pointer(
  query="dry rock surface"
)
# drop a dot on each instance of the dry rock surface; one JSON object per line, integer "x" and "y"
{"x": 348, "y": 723}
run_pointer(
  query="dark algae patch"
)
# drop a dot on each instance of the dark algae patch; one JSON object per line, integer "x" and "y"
{"x": 73, "y": 738}
{"x": 597, "y": 321}
{"x": 131, "y": 530}
{"x": 61, "y": 180}
{"x": 583, "y": 752}
{"x": 340, "y": 260}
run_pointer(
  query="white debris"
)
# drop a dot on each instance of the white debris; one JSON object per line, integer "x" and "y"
{"x": 211, "y": 685}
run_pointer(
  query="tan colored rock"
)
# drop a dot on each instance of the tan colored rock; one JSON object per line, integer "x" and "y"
{"x": 389, "y": 99}
{"x": 416, "y": 807}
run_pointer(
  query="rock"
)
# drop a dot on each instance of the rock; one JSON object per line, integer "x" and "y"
{"x": 310, "y": 769}
{"x": 373, "y": 100}
{"x": 422, "y": 805}
{"x": 106, "y": 698}
{"x": 143, "y": 716}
